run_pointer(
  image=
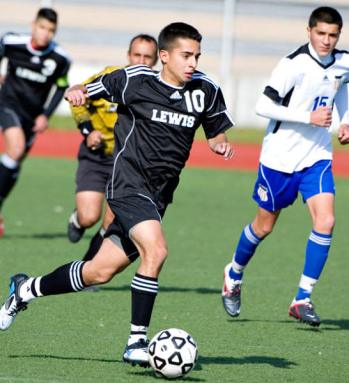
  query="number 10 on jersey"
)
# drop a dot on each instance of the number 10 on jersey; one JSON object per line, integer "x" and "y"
{"x": 195, "y": 100}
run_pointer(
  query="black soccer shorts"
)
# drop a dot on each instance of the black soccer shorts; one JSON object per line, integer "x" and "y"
{"x": 134, "y": 209}
{"x": 128, "y": 212}
{"x": 92, "y": 176}
{"x": 9, "y": 118}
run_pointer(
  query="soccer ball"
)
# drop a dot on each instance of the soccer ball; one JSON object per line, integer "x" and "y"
{"x": 172, "y": 353}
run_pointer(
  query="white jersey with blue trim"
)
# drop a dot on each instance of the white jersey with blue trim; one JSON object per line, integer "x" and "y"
{"x": 301, "y": 83}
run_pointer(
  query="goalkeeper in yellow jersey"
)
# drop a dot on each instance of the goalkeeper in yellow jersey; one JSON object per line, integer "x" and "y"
{"x": 96, "y": 122}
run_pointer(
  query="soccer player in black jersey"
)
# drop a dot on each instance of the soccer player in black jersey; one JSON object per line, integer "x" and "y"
{"x": 158, "y": 116}
{"x": 35, "y": 65}
{"x": 96, "y": 120}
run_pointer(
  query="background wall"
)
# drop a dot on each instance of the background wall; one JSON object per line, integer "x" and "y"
{"x": 258, "y": 33}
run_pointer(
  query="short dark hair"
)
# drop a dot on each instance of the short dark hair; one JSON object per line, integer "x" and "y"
{"x": 327, "y": 15}
{"x": 48, "y": 14}
{"x": 143, "y": 36}
{"x": 174, "y": 31}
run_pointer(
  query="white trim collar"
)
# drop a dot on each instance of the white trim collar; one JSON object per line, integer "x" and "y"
{"x": 166, "y": 83}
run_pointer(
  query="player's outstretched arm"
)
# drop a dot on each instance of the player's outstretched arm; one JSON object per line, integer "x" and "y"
{"x": 220, "y": 145}
{"x": 76, "y": 95}
{"x": 343, "y": 134}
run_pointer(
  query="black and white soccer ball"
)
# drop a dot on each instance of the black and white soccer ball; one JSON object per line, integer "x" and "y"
{"x": 172, "y": 353}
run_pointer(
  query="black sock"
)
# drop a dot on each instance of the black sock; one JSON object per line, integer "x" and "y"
{"x": 8, "y": 178}
{"x": 65, "y": 279}
{"x": 144, "y": 290}
{"x": 95, "y": 244}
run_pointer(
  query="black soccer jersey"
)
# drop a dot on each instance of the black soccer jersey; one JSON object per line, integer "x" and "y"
{"x": 30, "y": 74}
{"x": 156, "y": 126}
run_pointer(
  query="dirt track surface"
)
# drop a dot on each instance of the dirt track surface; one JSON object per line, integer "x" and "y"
{"x": 61, "y": 144}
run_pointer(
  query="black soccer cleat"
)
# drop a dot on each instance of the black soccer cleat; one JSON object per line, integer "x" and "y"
{"x": 14, "y": 303}
{"x": 231, "y": 294}
{"x": 75, "y": 232}
{"x": 137, "y": 353}
{"x": 304, "y": 311}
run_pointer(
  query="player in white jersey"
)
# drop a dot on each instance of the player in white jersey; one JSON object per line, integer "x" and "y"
{"x": 296, "y": 155}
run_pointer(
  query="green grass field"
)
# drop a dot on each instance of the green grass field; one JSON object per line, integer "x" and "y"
{"x": 80, "y": 337}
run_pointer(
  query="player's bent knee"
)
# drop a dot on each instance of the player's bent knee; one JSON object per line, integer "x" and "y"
{"x": 325, "y": 224}
{"x": 17, "y": 152}
{"x": 156, "y": 257}
{"x": 264, "y": 230}
{"x": 161, "y": 253}
{"x": 88, "y": 219}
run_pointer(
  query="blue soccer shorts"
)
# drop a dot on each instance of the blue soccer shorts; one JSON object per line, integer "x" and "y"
{"x": 275, "y": 190}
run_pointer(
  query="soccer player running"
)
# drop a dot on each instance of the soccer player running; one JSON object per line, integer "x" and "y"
{"x": 158, "y": 114}
{"x": 296, "y": 156}
{"x": 36, "y": 64}
{"x": 96, "y": 120}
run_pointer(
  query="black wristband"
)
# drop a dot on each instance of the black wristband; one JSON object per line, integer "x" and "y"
{"x": 85, "y": 128}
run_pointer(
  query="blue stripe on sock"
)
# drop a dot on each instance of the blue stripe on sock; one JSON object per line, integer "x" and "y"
{"x": 245, "y": 249}
{"x": 316, "y": 254}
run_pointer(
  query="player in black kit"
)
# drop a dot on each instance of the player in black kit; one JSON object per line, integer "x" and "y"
{"x": 35, "y": 65}
{"x": 158, "y": 115}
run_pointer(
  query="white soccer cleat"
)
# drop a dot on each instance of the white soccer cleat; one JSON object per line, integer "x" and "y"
{"x": 13, "y": 304}
{"x": 137, "y": 353}
{"x": 231, "y": 294}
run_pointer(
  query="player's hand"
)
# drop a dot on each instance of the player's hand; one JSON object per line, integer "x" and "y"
{"x": 76, "y": 95}
{"x": 321, "y": 116}
{"x": 40, "y": 124}
{"x": 224, "y": 149}
{"x": 343, "y": 134}
{"x": 94, "y": 140}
